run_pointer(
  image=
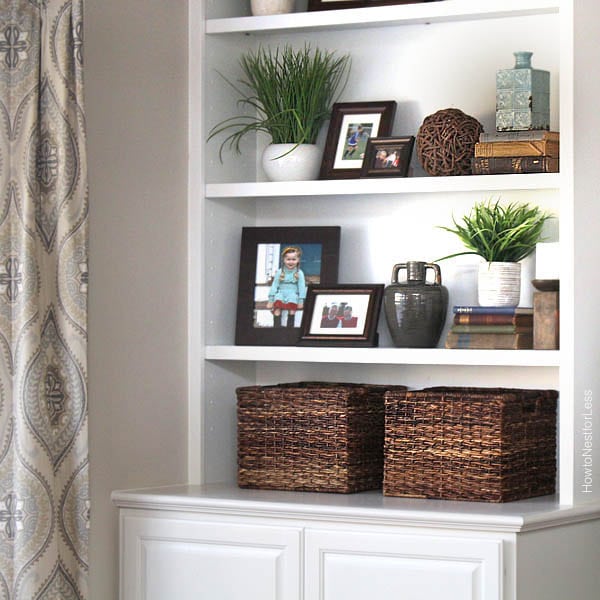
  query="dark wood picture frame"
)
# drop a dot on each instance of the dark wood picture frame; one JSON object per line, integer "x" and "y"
{"x": 342, "y": 156}
{"x": 260, "y": 259}
{"x": 395, "y": 161}
{"x": 358, "y": 305}
{"x": 339, "y": 4}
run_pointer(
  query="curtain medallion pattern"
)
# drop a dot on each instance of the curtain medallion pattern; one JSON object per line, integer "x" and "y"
{"x": 44, "y": 489}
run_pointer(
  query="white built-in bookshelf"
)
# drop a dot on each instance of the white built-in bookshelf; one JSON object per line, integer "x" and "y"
{"x": 426, "y": 56}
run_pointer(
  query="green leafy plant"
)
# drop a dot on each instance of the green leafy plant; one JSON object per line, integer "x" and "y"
{"x": 500, "y": 233}
{"x": 289, "y": 92}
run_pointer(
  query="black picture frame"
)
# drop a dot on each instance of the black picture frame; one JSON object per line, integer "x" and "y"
{"x": 388, "y": 156}
{"x": 364, "y": 301}
{"x": 339, "y": 4}
{"x": 343, "y": 156}
{"x": 260, "y": 258}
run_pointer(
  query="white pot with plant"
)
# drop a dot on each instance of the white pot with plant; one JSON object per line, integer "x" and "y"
{"x": 271, "y": 7}
{"x": 290, "y": 93}
{"x": 503, "y": 235}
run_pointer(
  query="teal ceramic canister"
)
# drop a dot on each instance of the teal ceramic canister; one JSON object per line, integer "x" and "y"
{"x": 415, "y": 309}
{"x": 522, "y": 96}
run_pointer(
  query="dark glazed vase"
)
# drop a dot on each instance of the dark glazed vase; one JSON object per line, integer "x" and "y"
{"x": 414, "y": 309}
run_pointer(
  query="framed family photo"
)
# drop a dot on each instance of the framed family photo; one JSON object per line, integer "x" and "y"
{"x": 342, "y": 315}
{"x": 277, "y": 266}
{"x": 351, "y": 126}
{"x": 336, "y": 4}
{"x": 388, "y": 156}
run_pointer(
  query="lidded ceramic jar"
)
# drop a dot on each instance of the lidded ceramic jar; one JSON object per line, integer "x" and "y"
{"x": 522, "y": 96}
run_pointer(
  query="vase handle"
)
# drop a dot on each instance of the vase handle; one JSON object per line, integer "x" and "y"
{"x": 395, "y": 271}
{"x": 416, "y": 271}
{"x": 437, "y": 271}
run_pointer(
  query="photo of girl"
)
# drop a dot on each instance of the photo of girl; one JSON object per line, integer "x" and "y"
{"x": 356, "y": 135}
{"x": 288, "y": 290}
{"x": 283, "y": 273}
{"x": 356, "y": 140}
{"x": 355, "y": 131}
{"x": 278, "y": 267}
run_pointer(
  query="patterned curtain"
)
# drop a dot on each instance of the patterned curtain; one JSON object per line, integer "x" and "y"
{"x": 44, "y": 492}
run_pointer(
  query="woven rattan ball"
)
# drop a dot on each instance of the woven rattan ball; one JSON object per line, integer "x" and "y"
{"x": 446, "y": 142}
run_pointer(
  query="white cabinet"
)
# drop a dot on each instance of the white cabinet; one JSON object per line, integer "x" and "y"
{"x": 174, "y": 557}
{"x": 217, "y": 541}
{"x": 358, "y": 565}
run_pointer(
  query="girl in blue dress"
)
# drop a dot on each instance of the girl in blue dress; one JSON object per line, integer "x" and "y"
{"x": 288, "y": 290}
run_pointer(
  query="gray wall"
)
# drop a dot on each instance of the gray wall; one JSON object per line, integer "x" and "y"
{"x": 136, "y": 105}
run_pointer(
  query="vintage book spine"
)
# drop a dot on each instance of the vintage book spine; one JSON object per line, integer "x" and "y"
{"x": 514, "y": 136}
{"x": 546, "y": 321}
{"x": 492, "y": 310}
{"x": 490, "y": 341}
{"x": 492, "y": 328}
{"x": 519, "y": 148}
{"x": 496, "y": 165}
{"x": 492, "y": 319}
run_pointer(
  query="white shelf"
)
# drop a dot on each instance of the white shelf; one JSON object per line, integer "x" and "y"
{"x": 385, "y": 16}
{"x": 371, "y": 507}
{"x": 386, "y": 356}
{"x": 403, "y": 185}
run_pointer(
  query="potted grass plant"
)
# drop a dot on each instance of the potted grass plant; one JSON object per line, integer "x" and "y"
{"x": 288, "y": 94}
{"x": 271, "y": 7}
{"x": 502, "y": 235}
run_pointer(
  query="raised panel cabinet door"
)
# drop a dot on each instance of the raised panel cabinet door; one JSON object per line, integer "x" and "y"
{"x": 359, "y": 565}
{"x": 168, "y": 559}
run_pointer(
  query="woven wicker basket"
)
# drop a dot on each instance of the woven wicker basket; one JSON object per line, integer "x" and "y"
{"x": 311, "y": 436}
{"x": 480, "y": 444}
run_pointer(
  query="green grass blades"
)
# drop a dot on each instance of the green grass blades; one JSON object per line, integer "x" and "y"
{"x": 500, "y": 233}
{"x": 290, "y": 93}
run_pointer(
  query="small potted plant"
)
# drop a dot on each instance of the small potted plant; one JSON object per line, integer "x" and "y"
{"x": 290, "y": 93}
{"x": 271, "y": 7}
{"x": 502, "y": 235}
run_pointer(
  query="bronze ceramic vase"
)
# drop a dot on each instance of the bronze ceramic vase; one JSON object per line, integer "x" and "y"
{"x": 415, "y": 310}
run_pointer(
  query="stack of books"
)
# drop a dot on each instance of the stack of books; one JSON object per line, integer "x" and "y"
{"x": 491, "y": 327}
{"x": 535, "y": 151}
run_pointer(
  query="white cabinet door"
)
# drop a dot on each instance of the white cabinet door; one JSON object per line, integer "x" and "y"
{"x": 172, "y": 559}
{"x": 359, "y": 565}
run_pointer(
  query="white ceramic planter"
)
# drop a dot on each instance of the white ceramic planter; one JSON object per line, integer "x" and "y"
{"x": 301, "y": 164}
{"x": 499, "y": 284}
{"x": 271, "y": 7}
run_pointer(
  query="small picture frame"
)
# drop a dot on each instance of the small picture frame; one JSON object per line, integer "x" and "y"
{"x": 351, "y": 126}
{"x": 337, "y": 4}
{"x": 388, "y": 156}
{"x": 277, "y": 265}
{"x": 342, "y": 315}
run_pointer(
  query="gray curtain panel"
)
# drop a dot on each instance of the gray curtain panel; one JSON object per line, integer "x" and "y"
{"x": 44, "y": 491}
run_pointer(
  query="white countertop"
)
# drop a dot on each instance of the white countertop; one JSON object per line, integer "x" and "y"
{"x": 365, "y": 507}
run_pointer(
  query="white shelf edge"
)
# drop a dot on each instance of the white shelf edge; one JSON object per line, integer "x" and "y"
{"x": 406, "y": 14}
{"x": 370, "y": 507}
{"x": 386, "y": 356}
{"x": 403, "y": 185}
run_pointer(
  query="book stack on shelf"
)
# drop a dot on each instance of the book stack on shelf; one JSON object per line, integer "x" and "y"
{"x": 491, "y": 327}
{"x": 535, "y": 151}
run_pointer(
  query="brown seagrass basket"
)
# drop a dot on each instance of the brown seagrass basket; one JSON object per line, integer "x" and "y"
{"x": 311, "y": 436}
{"x": 480, "y": 444}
